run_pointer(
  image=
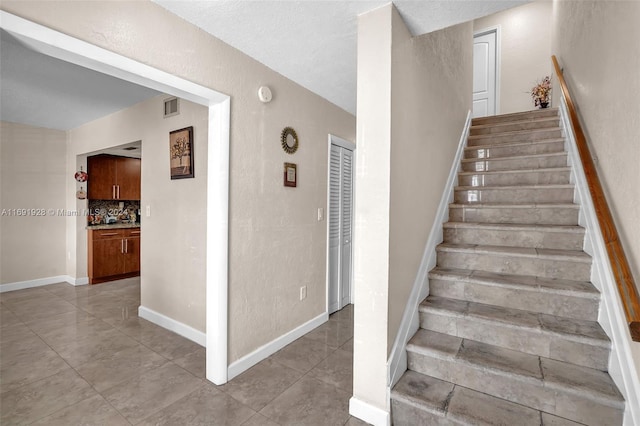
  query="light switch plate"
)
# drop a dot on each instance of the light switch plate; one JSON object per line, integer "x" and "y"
{"x": 148, "y": 211}
{"x": 320, "y": 214}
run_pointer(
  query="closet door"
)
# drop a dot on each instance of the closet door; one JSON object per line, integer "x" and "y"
{"x": 340, "y": 226}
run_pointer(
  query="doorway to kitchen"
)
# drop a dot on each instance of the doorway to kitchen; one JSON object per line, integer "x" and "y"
{"x": 77, "y": 52}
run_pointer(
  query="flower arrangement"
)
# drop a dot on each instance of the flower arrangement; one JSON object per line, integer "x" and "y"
{"x": 541, "y": 93}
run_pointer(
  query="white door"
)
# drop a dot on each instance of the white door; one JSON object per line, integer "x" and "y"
{"x": 340, "y": 226}
{"x": 484, "y": 74}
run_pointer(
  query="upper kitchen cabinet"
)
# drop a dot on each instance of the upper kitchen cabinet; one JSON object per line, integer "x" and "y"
{"x": 113, "y": 178}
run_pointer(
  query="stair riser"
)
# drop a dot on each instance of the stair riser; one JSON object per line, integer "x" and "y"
{"x": 530, "y": 393}
{"x": 526, "y": 300}
{"x": 505, "y": 264}
{"x": 514, "y": 150}
{"x": 508, "y": 179}
{"x": 531, "y": 341}
{"x": 511, "y": 238}
{"x": 514, "y": 195}
{"x": 542, "y": 216}
{"x": 525, "y": 136}
{"x": 529, "y": 115}
{"x": 522, "y": 163}
{"x": 514, "y": 127}
{"x": 408, "y": 415}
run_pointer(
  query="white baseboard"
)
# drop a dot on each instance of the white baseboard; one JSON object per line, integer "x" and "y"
{"x": 624, "y": 368}
{"x": 20, "y": 285}
{"x": 274, "y": 346}
{"x": 397, "y": 363}
{"x": 368, "y": 413}
{"x": 170, "y": 324}
{"x": 78, "y": 281}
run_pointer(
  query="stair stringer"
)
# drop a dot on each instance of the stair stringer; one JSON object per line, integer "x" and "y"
{"x": 397, "y": 362}
{"x": 624, "y": 367}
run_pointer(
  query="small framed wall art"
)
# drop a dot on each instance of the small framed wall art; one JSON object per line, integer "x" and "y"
{"x": 181, "y": 153}
{"x": 290, "y": 175}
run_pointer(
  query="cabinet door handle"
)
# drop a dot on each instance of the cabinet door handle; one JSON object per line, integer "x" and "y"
{"x": 113, "y": 191}
{"x": 122, "y": 246}
{"x": 118, "y": 197}
{"x": 126, "y": 246}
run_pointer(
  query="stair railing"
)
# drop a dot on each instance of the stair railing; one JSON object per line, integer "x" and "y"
{"x": 619, "y": 263}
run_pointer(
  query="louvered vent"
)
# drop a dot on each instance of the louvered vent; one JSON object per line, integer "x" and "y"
{"x": 171, "y": 107}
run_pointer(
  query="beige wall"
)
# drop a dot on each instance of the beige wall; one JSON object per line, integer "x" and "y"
{"x": 173, "y": 243}
{"x": 525, "y": 53}
{"x": 598, "y": 45}
{"x": 276, "y": 244}
{"x": 33, "y": 175}
{"x": 430, "y": 102}
{"x": 413, "y": 98}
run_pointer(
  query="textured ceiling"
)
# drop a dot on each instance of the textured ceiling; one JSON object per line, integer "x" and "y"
{"x": 314, "y": 42}
{"x": 41, "y": 91}
{"x": 310, "y": 42}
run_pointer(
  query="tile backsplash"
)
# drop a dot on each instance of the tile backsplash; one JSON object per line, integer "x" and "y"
{"x": 113, "y": 211}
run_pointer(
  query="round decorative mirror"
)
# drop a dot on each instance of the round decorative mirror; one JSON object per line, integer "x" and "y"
{"x": 289, "y": 140}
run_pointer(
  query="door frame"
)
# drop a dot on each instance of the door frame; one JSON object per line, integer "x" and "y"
{"x": 335, "y": 140}
{"x": 73, "y": 50}
{"x": 497, "y": 30}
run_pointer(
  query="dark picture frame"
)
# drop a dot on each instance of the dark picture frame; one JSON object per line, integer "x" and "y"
{"x": 181, "y": 153}
{"x": 290, "y": 175}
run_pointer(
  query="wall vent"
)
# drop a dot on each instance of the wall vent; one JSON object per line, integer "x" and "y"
{"x": 171, "y": 107}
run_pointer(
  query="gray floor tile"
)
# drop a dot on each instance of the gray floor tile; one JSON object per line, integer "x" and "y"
{"x": 205, "y": 406}
{"x": 44, "y": 397}
{"x": 259, "y": 420}
{"x": 194, "y": 362}
{"x": 336, "y": 370}
{"x": 309, "y": 402}
{"x": 124, "y": 372}
{"x": 262, "y": 383}
{"x": 147, "y": 394}
{"x": 93, "y": 411}
{"x": 119, "y": 367}
{"x": 303, "y": 354}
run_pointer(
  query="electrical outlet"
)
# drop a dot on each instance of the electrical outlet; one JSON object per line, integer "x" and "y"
{"x": 303, "y": 292}
{"x": 320, "y": 213}
{"x": 148, "y": 211}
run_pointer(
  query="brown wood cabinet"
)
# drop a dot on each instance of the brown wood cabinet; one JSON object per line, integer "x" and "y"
{"x": 113, "y": 178}
{"x": 113, "y": 254}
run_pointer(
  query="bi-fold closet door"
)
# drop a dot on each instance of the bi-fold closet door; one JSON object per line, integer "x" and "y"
{"x": 340, "y": 226}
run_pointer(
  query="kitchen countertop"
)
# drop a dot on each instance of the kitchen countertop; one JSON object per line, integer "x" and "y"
{"x": 114, "y": 226}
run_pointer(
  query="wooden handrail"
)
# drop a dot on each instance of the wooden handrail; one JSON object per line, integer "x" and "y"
{"x": 619, "y": 263}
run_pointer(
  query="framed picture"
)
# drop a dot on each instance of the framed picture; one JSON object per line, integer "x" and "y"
{"x": 290, "y": 174}
{"x": 181, "y": 153}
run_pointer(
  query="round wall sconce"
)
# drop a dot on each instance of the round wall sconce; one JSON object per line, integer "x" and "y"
{"x": 264, "y": 94}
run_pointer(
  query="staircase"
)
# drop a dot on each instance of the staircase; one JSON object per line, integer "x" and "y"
{"x": 509, "y": 332}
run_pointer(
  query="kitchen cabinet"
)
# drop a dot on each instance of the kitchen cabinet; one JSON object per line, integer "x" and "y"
{"x": 113, "y": 178}
{"x": 113, "y": 254}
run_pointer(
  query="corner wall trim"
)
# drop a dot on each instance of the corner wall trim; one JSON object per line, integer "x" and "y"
{"x": 170, "y": 324}
{"x": 369, "y": 413}
{"x": 78, "y": 281}
{"x": 274, "y": 346}
{"x": 21, "y": 285}
{"x": 397, "y": 363}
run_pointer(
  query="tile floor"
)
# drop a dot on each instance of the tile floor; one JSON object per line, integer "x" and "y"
{"x": 80, "y": 355}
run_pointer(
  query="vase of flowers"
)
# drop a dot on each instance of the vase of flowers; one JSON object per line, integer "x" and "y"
{"x": 541, "y": 93}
